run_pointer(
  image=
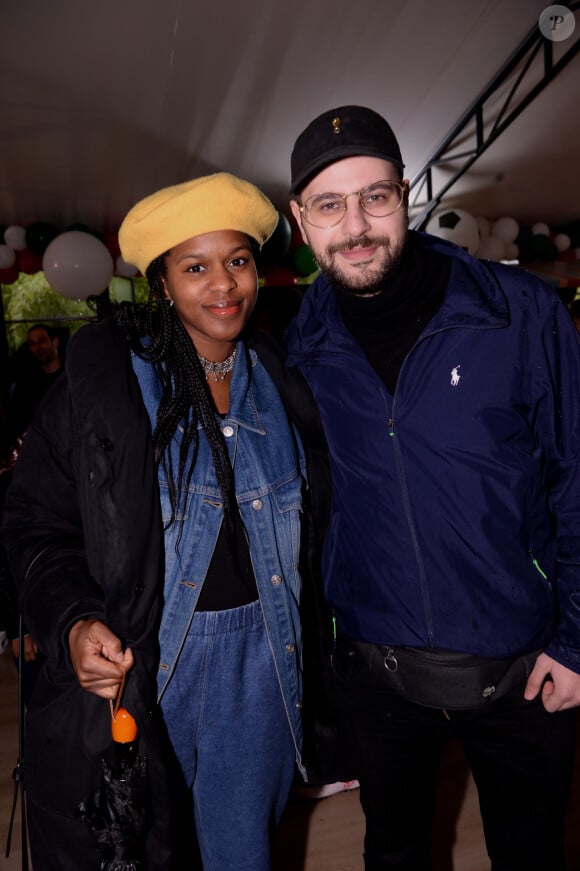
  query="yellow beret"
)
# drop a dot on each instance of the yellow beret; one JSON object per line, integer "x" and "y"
{"x": 212, "y": 202}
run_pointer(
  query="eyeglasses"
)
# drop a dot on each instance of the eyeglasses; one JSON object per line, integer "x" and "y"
{"x": 378, "y": 200}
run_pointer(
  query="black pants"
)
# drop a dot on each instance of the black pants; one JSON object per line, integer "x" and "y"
{"x": 521, "y": 758}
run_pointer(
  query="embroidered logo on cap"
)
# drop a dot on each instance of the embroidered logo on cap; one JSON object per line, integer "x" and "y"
{"x": 336, "y": 125}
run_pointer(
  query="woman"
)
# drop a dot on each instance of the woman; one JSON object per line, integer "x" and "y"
{"x": 154, "y": 527}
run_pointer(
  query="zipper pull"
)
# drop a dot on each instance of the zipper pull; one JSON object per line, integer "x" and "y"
{"x": 537, "y": 565}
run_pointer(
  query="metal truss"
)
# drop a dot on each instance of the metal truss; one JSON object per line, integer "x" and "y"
{"x": 488, "y": 117}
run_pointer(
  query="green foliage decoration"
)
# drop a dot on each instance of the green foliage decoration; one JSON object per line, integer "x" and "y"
{"x": 30, "y": 299}
{"x": 141, "y": 289}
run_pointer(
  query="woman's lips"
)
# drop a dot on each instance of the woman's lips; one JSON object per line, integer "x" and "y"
{"x": 225, "y": 310}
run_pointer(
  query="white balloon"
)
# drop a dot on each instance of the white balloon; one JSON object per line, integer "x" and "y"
{"x": 7, "y": 257}
{"x": 457, "y": 226}
{"x": 562, "y": 241}
{"x": 511, "y": 252}
{"x": 124, "y": 269}
{"x": 540, "y": 229}
{"x": 506, "y": 229}
{"x": 491, "y": 248}
{"x": 15, "y": 237}
{"x": 484, "y": 226}
{"x": 77, "y": 265}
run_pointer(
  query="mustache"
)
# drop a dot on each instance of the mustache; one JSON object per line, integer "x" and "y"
{"x": 360, "y": 242}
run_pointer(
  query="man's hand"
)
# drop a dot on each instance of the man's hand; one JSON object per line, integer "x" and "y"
{"x": 30, "y": 648}
{"x": 559, "y": 693}
{"x": 97, "y": 658}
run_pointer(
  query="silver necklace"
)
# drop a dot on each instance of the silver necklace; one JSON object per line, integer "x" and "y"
{"x": 217, "y": 370}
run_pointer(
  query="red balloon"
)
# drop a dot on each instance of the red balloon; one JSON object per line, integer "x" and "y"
{"x": 111, "y": 241}
{"x": 296, "y": 239}
{"x": 28, "y": 262}
{"x": 567, "y": 256}
{"x": 9, "y": 276}
{"x": 279, "y": 276}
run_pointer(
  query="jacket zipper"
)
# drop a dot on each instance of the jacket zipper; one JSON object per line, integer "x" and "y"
{"x": 539, "y": 569}
{"x": 403, "y": 483}
{"x": 34, "y": 561}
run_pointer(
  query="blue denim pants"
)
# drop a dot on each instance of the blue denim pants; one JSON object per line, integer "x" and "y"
{"x": 227, "y": 723}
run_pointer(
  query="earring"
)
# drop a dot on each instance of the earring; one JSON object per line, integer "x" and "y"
{"x": 170, "y": 301}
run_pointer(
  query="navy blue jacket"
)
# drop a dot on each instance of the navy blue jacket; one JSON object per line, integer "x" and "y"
{"x": 455, "y": 517}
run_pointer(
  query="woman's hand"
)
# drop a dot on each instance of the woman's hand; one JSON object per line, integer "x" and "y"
{"x": 98, "y": 659}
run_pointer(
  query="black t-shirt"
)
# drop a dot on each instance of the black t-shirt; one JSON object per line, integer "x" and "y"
{"x": 230, "y": 580}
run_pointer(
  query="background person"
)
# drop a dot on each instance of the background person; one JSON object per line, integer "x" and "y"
{"x": 34, "y": 375}
{"x": 574, "y": 310}
{"x": 10, "y": 444}
{"x": 449, "y": 395}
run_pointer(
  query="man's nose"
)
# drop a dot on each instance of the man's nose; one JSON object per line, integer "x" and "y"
{"x": 356, "y": 221}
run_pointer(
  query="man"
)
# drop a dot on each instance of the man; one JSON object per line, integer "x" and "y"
{"x": 449, "y": 396}
{"x": 42, "y": 344}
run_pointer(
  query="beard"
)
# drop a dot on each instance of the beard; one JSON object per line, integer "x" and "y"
{"x": 367, "y": 280}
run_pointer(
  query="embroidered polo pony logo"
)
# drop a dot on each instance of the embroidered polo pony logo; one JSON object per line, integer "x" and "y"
{"x": 455, "y": 376}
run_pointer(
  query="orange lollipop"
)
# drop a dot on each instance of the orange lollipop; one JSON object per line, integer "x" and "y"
{"x": 123, "y": 727}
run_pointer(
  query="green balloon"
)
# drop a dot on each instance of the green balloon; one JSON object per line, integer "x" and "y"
{"x": 303, "y": 260}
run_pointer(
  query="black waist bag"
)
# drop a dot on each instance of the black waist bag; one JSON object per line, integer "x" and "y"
{"x": 432, "y": 677}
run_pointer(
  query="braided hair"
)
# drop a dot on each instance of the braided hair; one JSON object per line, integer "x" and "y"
{"x": 155, "y": 333}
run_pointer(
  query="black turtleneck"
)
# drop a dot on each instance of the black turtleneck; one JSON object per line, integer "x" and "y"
{"x": 387, "y": 325}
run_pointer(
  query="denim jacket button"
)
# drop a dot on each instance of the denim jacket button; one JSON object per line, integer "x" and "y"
{"x": 276, "y": 580}
{"x": 228, "y": 431}
{"x": 257, "y": 504}
{"x": 290, "y": 648}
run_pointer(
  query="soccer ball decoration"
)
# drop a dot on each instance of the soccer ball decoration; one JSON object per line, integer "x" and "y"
{"x": 457, "y": 226}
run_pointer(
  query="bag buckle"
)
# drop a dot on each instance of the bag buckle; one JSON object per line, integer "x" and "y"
{"x": 390, "y": 661}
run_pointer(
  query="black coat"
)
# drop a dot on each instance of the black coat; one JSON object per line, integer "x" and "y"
{"x": 83, "y": 532}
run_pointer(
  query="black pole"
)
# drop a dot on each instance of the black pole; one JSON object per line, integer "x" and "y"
{"x": 4, "y": 356}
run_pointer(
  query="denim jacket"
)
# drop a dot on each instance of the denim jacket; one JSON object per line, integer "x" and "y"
{"x": 268, "y": 468}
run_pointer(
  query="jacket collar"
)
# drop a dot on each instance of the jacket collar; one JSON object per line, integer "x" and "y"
{"x": 473, "y": 299}
{"x": 243, "y": 410}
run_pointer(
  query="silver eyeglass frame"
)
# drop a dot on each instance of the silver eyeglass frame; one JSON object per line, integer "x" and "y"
{"x": 403, "y": 190}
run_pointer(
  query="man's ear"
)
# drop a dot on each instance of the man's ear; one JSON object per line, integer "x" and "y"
{"x": 295, "y": 209}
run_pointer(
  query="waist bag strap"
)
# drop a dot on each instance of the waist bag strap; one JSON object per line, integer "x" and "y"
{"x": 432, "y": 677}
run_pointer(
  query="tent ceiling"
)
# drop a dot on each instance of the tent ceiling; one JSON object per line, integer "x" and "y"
{"x": 102, "y": 103}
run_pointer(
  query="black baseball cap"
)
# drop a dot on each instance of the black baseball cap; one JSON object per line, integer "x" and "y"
{"x": 344, "y": 132}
